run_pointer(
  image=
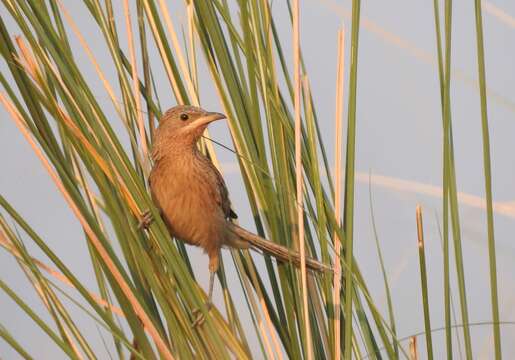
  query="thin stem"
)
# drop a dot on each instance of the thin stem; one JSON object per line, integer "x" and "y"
{"x": 298, "y": 175}
{"x": 423, "y": 282}
{"x": 349, "y": 177}
{"x": 337, "y": 190}
{"x": 488, "y": 181}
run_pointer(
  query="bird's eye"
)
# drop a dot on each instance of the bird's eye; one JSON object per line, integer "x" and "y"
{"x": 184, "y": 117}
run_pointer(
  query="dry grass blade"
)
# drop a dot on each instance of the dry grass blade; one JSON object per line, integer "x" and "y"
{"x": 499, "y": 13}
{"x": 298, "y": 176}
{"x": 413, "y": 350}
{"x": 337, "y": 190}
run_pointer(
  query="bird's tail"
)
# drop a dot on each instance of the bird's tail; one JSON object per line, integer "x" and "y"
{"x": 278, "y": 251}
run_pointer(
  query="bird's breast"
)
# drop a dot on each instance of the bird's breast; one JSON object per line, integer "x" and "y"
{"x": 182, "y": 189}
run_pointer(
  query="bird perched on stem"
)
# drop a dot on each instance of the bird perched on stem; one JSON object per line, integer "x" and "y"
{"x": 191, "y": 194}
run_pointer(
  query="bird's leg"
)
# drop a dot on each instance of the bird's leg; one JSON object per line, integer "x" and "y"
{"x": 213, "y": 267}
{"x": 209, "y": 302}
{"x": 145, "y": 220}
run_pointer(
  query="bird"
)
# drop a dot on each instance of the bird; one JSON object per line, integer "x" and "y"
{"x": 192, "y": 197}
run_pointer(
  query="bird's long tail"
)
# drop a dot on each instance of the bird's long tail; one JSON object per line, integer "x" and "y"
{"x": 278, "y": 251}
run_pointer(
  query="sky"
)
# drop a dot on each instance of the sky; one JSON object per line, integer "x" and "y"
{"x": 399, "y": 136}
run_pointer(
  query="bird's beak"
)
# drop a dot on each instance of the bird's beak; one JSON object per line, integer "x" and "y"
{"x": 205, "y": 119}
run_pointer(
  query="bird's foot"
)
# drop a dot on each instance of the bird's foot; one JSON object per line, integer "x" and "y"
{"x": 145, "y": 220}
{"x": 199, "y": 316}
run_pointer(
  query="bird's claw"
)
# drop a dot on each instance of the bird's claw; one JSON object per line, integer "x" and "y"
{"x": 199, "y": 318}
{"x": 145, "y": 220}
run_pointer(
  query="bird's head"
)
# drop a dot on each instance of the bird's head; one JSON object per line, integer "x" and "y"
{"x": 185, "y": 123}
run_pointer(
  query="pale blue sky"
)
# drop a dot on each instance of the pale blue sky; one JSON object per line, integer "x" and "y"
{"x": 398, "y": 135}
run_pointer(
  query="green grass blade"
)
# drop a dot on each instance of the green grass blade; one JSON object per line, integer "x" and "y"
{"x": 383, "y": 271}
{"x": 450, "y": 182}
{"x": 488, "y": 180}
{"x": 9, "y": 339}
{"x": 445, "y": 245}
{"x": 349, "y": 178}
{"x": 423, "y": 282}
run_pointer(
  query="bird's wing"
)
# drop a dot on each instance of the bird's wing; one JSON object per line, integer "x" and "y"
{"x": 222, "y": 195}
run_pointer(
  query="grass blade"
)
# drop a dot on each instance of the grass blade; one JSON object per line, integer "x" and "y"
{"x": 423, "y": 282}
{"x": 298, "y": 176}
{"x": 488, "y": 180}
{"x": 337, "y": 192}
{"x": 349, "y": 177}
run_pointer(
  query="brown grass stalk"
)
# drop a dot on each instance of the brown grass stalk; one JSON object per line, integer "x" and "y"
{"x": 337, "y": 190}
{"x": 299, "y": 182}
{"x": 413, "y": 348}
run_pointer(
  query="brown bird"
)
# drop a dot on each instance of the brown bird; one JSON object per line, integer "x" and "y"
{"x": 192, "y": 196}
